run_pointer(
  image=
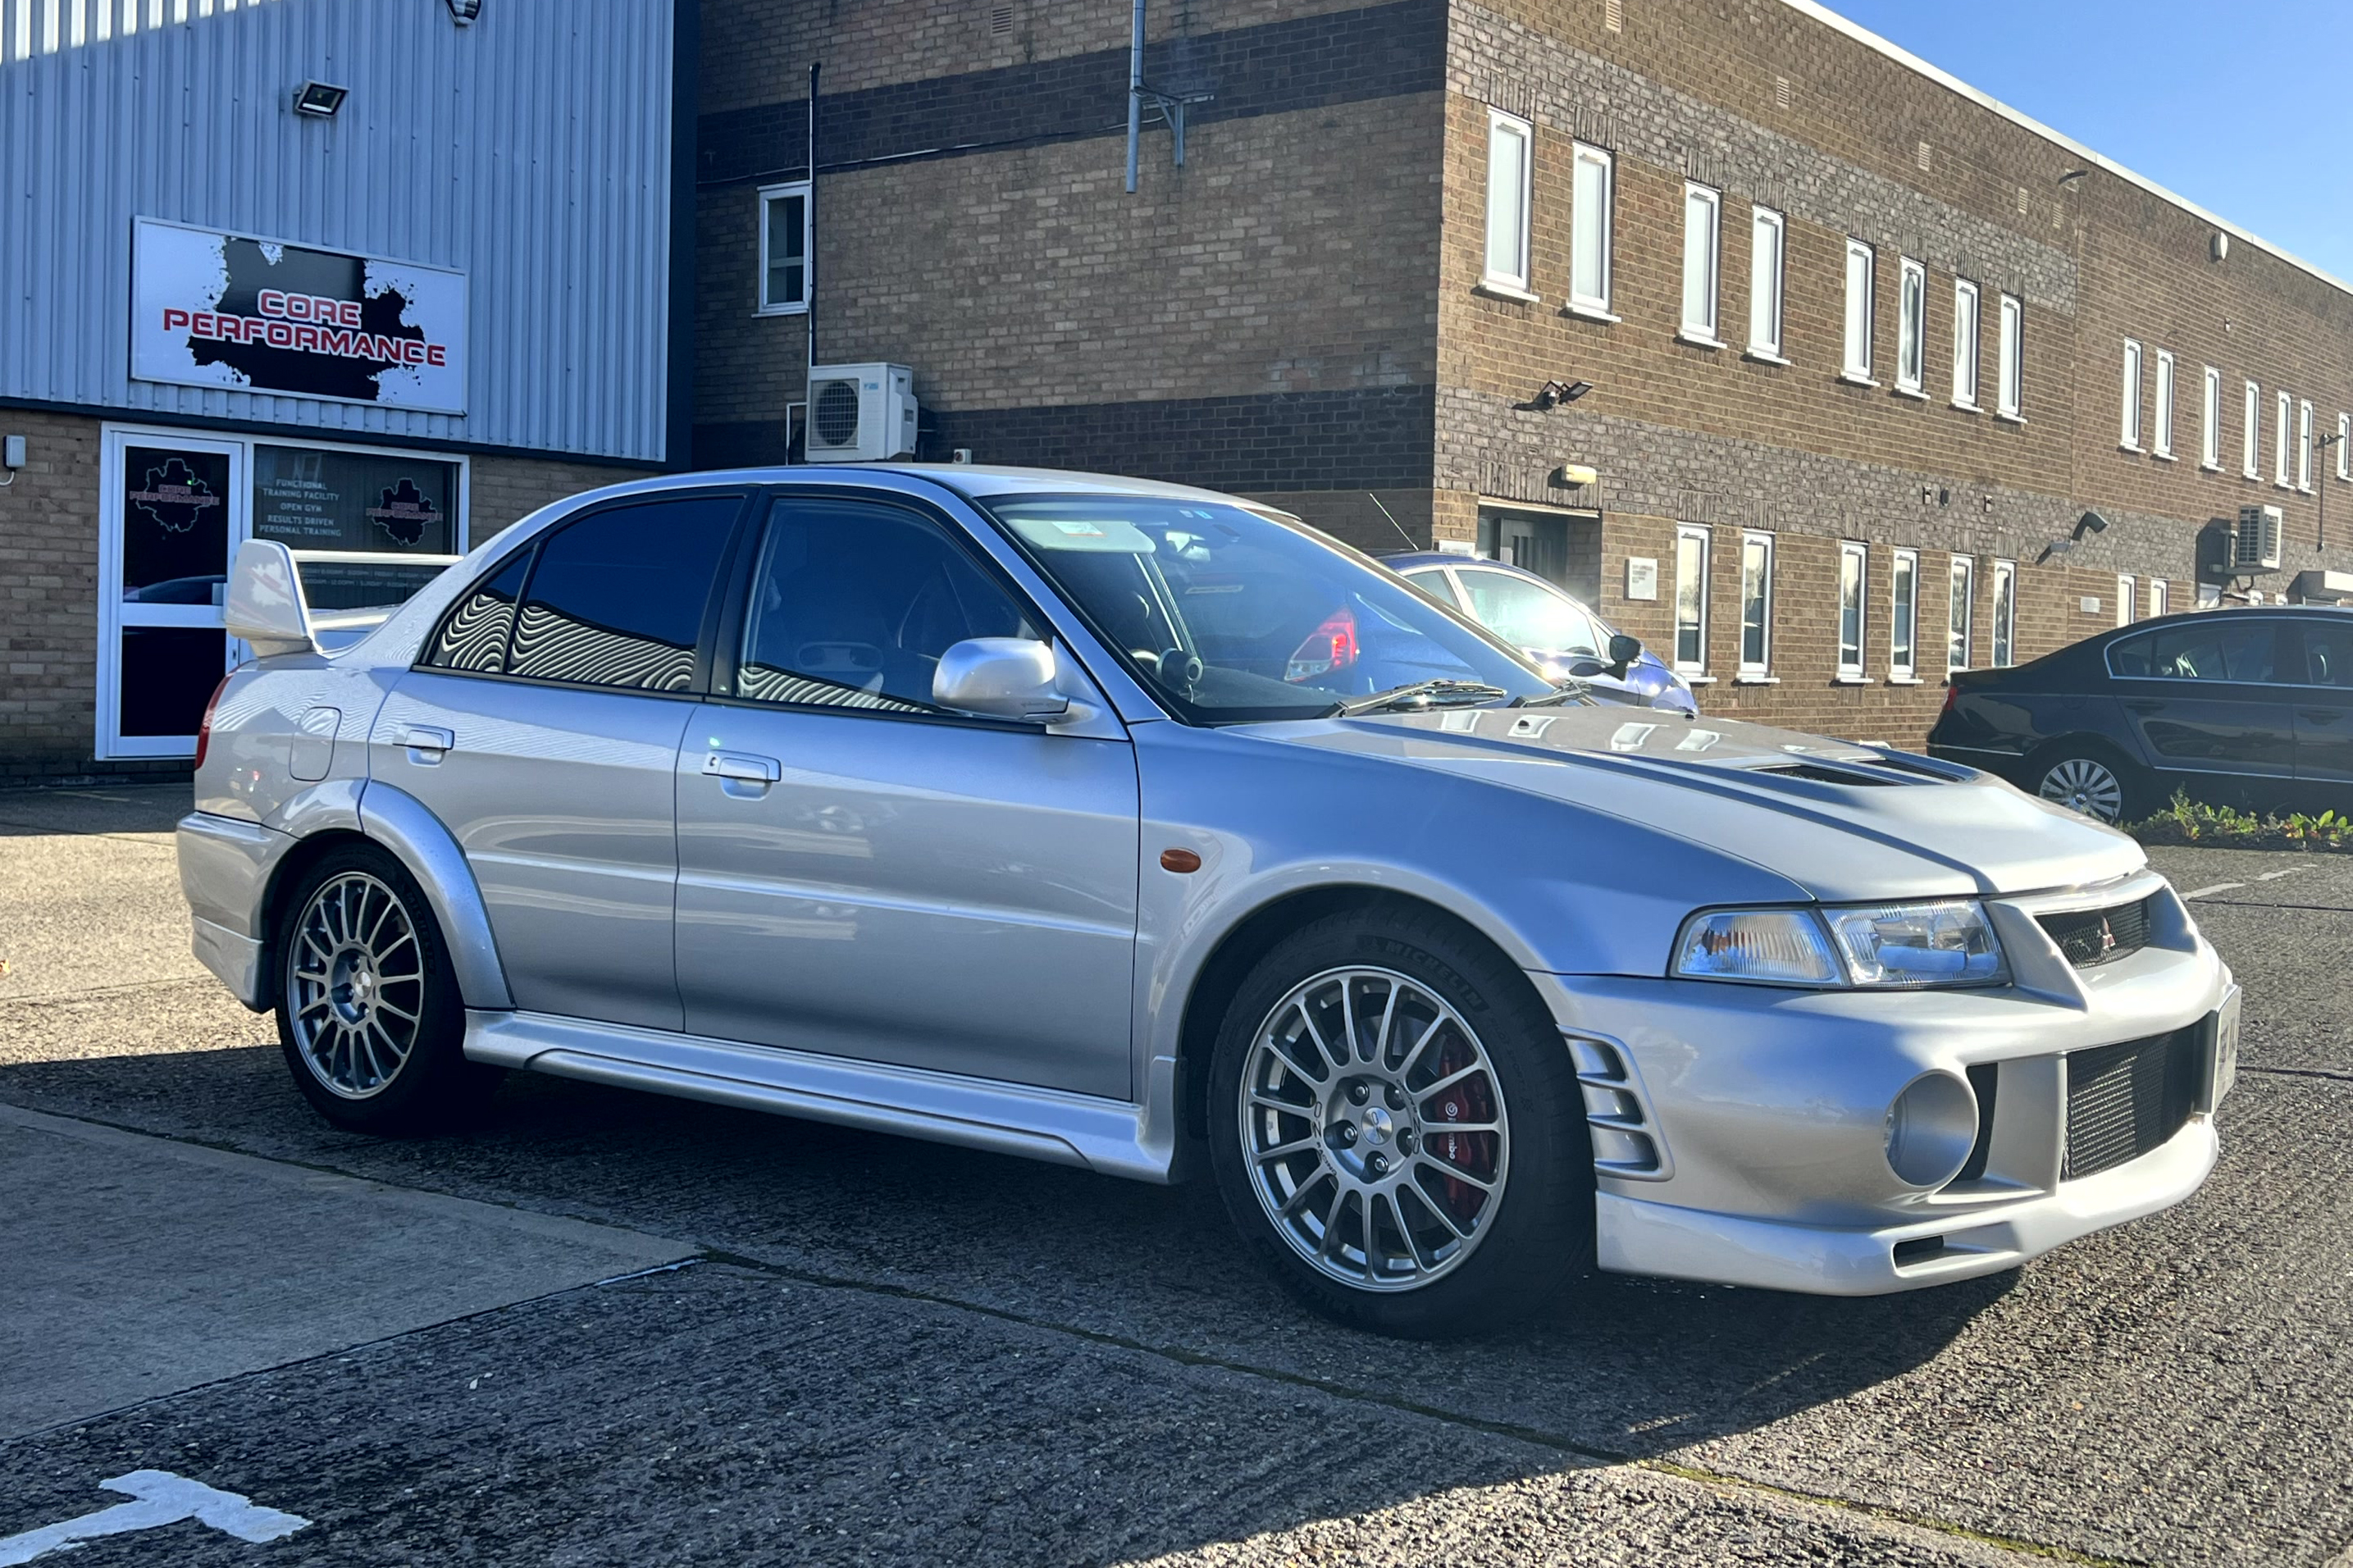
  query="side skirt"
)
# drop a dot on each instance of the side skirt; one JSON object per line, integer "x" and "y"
{"x": 1112, "y": 1137}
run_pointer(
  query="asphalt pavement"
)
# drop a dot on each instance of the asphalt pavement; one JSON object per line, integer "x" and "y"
{"x": 605, "y": 1327}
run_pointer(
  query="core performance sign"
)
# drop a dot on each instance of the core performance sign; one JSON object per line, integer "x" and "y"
{"x": 223, "y": 310}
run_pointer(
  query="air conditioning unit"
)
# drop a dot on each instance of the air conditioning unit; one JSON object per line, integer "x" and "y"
{"x": 2255, "y": 547}
{"x": 860, "y": 413}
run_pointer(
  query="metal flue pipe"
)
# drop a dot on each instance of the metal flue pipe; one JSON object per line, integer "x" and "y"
{"x": 1134, "y": 90}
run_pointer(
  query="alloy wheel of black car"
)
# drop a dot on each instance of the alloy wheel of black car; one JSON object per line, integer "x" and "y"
{"x": 2095, "y": 786}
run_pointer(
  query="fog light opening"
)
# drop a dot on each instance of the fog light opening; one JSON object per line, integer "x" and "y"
{"x": 1931, "y": 1128}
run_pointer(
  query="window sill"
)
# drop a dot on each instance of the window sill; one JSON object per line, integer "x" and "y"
{"x": 1960, "y": 407}
{"x": 1496, "y": 288}
{"x": 1914, "y": 393}
{"x": 1852, "y": 379}
{"x": 2163, "y": 458}
{"x": 2132, "y": 447}
{"x": 1757, "y": 677}
{"x": 782, "y": 310}
{"x": 2210, "y": 467}
{"x": 1698, "y": 340}
{"x": 1853, "y": 680}
{"x": 1765, "y": 356}
{"x": 1696, "y": 677}
{"x": 2017, "y": 419}
{"x": 1589, "y": 313}
{"x": 1906, "y": 680}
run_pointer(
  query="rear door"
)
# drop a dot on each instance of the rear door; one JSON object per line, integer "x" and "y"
{"x": 542, "y": 726}
{"x": 2323, "y": 700}
{"x": 2205, "y": 700}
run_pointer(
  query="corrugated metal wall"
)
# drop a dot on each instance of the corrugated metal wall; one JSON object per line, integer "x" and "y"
{"x": 531, "y": 150}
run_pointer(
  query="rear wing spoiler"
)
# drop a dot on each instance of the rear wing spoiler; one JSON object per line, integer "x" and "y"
{"x": 267, "y": 606}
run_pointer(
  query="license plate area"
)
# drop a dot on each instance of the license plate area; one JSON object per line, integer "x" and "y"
{"x": 2222, "y": 1050}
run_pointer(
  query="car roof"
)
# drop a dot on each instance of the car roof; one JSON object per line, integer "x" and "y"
{"x": 1419, "y": 560}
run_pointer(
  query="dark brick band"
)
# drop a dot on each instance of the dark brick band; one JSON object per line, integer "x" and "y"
{"x": 1375, "y": 438}
{"x": 1343, "y": 56}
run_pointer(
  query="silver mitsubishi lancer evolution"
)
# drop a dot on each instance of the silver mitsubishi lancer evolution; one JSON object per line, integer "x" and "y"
{"x": 1144, "y": 829}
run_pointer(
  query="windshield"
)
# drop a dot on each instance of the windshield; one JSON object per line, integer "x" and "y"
{"x": 1230, "y": 616}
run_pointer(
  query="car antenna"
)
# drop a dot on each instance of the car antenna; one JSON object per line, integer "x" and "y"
{"x": 1393, "y": 521}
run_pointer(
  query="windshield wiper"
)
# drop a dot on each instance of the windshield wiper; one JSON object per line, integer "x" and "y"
{"x": 1569, "y": 690}
{"x": 1419, "y": 693}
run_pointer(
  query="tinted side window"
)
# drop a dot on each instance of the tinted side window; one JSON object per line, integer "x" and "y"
{"x": 2327, "y": 653}
{"x": 1438, "y": 586}
{"x": 474, "y": 637}
{"x": 617, "y": 597}
{"x": 2217, "y": 649}
{"x": 2130, "y": 656}
{"x": 853, "y": 603}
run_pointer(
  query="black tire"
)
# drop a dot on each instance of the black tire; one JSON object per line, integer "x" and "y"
{"x": 432, "y": 1086}
{"x": 2059, "y": 771}
{"x": 1534, "y": 1240}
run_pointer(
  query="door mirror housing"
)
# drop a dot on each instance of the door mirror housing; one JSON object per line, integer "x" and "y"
{"x": 1623, "y": 651}
{"x": 1002, "y": 678}
{"x": 264, "y": 606}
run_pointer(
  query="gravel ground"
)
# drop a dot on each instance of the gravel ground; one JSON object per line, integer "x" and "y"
{"x": 891, "y": 1351}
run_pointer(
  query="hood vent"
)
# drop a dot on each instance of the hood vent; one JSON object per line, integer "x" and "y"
{"x": 1820, "y": 774}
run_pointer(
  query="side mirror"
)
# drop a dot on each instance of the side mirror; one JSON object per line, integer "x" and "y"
{"x": 1623, "y": 651}
{"x": 1001, "y": 678}
{"x": 264, "y": 605}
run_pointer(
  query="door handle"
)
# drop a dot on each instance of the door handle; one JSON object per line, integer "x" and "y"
{"x": 743, "y": 766}
{"x": 425, "y": 743}
{"x": 2319, "y": 715}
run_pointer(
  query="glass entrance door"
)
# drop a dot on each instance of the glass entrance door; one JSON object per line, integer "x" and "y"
{"x": 173, "y": 511}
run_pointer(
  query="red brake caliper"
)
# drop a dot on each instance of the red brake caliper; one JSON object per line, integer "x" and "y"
{"x": 1470, "y": 1100}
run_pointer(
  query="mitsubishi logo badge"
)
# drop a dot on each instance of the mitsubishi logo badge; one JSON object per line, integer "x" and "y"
{"x": 2107, "y": 937}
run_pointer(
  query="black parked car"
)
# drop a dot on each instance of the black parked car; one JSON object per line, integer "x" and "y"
{"x": 2250, "y": 708}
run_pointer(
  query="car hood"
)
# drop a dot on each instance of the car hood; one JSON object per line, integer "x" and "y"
{"x": 1844, "y": 822}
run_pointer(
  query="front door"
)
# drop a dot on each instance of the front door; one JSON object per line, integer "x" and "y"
{"x": 863, "y": 874}
{"x": 175, "y": 509}
{"x": 2205, "y": 699}
{"x": 543, "y": 729}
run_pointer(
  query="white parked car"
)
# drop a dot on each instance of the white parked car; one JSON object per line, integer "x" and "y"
{"x": 1133, "y": 827}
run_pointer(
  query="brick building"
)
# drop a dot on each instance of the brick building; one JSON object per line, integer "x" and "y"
{"x": 1864, "y": 345}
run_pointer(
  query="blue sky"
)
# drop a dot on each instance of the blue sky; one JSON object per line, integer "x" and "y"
{"x": 2245, "y": 109}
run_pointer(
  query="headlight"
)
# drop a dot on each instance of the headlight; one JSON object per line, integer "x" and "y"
{"x": 1895, "y": 946}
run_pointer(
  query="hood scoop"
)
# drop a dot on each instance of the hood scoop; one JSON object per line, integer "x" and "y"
{"x": 1880, "y": 769}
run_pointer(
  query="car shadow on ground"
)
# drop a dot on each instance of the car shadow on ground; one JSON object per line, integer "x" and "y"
{"x": 1619, "y": 1367}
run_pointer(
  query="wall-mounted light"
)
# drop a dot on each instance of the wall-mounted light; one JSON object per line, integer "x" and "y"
{"x": 463, "y": 12}
{"x": 1552, "y": 394}
{"x": 2091, "y": 522}
{"x": 320, "y": 101}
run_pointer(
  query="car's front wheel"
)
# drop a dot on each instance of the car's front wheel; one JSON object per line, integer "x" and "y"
{"x": 2094, "y": 780}
{"x": 1397, "y": 1127}
{"x": 368, "y": 1010}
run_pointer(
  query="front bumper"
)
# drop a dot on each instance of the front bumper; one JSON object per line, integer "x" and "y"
{"x": 1741, "y": 1132}
{"x": 225, "y": 868}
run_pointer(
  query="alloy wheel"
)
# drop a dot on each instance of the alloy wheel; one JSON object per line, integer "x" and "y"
{"x": 1373, "y": 1129}
{"x": 2083, "y": 784}
{"x": 354, "y": 984}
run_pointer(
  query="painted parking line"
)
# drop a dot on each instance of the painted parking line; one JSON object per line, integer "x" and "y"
{"x": 2207, "y": 892}
{"x": 2275, "y": 876}
{"x": 159, "y": 1497}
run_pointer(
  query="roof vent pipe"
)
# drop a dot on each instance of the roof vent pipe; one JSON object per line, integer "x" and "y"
{"x": 1134, "y": 90}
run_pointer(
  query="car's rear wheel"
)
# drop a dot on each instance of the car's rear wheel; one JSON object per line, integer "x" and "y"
{"x": 2094, "y": 780}
{"x": 368, "y": 1011}
{"x": 1397, "y": 1128}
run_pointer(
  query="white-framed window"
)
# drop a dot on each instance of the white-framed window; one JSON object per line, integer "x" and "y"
{"x": 1911, "y": 326}
{"x": 2343, "y": 439}
{"x": 785, "y": 246}
{"x": 2011, "y": 370}
{"x": 2285, "y": 409}
{"x": 2304, "y": 448}
{"x": 2160, "y": 597}
{"x": 1510, "y": 146}
{"x": 1904, "y": 616}
{"x": 1703, "y": 253}
{"x": 1756, "y": 603}
{"x": 1767, "y": 256}
{"x": 2128, "y": 591}
{"x": 1959, "y": 605}
{"x": 2210, "y": 438}
{"x": 2005, "y": 614}
{"x": 2160, "y": 440}
{"x": 1854, "y": 572}
{"x": 1861, "y": 263}
{"x": 1966, "y": 329}
{"x": 1593, "y": 195}
{"x": 2131, "y": 437}
{"x": 1691, "y": 598}
{"x": 2252, "y": 439}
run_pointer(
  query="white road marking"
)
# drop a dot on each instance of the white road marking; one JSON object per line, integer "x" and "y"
{"x": 2217, "y": 888}
{"x": 2275, "y": 876}
{"x": 163, "y": 1499}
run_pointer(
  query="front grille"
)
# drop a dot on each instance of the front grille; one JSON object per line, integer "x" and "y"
{"x": 2093, "y": 937}
{"x": 2124, "y": 1100}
